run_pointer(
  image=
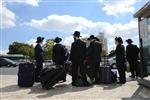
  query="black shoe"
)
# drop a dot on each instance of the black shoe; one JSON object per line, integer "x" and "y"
{"x": 132, "y": 76}
{"x": 121, "y": 82}
{"x": 96, "y": 82}
{"x": 64, "y": 80}
{"x": 73, "y": 84}
{"x": 37, "y": 81}
{"x": 87, "y": 84}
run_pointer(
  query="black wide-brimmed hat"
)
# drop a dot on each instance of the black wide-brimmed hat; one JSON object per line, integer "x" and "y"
{"x": 39, "y": 39}
{"x": 119, "y": 39}
{"x": 77, "y": 34}
{"x": 129, "y": 41}
{"x": 93, "y": 37}
{"x": 57, "y": 40}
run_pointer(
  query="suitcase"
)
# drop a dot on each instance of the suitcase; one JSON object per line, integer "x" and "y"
{"x": 141, "y": 71}
{"x": 50, "y": 76}
{"x": 105, "y": 73}
{"x": 26, "y": 75}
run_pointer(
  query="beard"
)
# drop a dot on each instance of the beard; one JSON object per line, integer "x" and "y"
{"x": 74, "y": 39}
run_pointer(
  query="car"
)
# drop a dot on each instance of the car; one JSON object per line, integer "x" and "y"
{"x": 7, "y": 62}
{"x": 47, "y": 63}
{"x": 112, "y": 62}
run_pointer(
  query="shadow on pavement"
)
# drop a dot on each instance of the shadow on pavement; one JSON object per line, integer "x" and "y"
{"x": 142, "y": 93}
{"x": 57, "y": 90}
{"x": 12, "y": 88}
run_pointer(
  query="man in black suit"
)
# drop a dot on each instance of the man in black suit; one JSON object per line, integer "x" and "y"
{"x": 58, "y": 56}
{"x": 132, "y": 52}
{"x": 120, "y": 59}
{"x": 77, "y": 56}
{"x": 94, "y": 55}
{"x": 38, "y": 57}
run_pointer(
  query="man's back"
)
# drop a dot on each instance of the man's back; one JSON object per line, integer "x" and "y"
{"x": 132, "y": 52}
{"x": 94, "y": 51}
{"x": 58, "y": 54}
{"x": 78, "y": 51}
{"x": 38, "y": 52}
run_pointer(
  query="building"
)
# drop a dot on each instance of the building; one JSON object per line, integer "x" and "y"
{"x": 143, "y": 16}
{"x": 103, "y": 41}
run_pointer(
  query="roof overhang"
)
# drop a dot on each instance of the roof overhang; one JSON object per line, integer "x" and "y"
{"x": 144, "y": 11}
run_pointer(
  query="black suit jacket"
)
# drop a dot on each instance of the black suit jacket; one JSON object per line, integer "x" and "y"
{"x": 38, "y": 53}
{"x": 132, "y": 52}
{"x": 78, "y": 51}
{"x": 94, "y": 51}
{"x": 120, "y": 54}
{"x": 58, "y": 54}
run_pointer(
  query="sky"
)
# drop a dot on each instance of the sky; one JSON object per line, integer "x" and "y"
{"x": 25, "y": 20}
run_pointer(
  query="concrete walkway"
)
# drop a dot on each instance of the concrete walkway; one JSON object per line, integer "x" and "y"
{"x": 65, "y": 91}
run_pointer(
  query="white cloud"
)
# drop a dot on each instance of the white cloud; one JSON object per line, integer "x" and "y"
{"x": 26, "y": 2}
{"x": 119, "y": 7}
{"x": 8, "y": 18}
{"x": 69, "y": 24}
{"x": 3, "y": 52}
{"x": 31, "y": 42}
{"x": 64, "y": 23}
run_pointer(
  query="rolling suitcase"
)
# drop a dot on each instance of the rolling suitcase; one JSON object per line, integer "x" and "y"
{"x": 50, "y": 76}
{"x": 141, "y": 71}
{"x": 26, "y": 75}
{"x": 105, "y": 73}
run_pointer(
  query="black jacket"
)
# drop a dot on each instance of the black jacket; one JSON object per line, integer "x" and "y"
{"x": 58, "y": 54}
{"x": 120, "y": 54}
{"x": 132, "y": 52}
{"x": 38, "y": 53}
{"x": 94, "y": 51}
{"x": 78, "y": 51}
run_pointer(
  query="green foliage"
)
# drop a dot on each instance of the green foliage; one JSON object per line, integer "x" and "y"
{"x": 21, "y": 48}
{"x": 48, "y": 49}
{"x": 112, "y": 53}
{"x": 28, "y": 50}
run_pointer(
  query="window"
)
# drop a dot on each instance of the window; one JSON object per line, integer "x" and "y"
{"x": 148, "y": 23}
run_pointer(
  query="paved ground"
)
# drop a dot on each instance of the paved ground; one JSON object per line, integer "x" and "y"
{"x": 64, "y": 91}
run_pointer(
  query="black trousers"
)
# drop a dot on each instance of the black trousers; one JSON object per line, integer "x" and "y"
{"x": 95, "y": 70}
{"x": 64, "y": 74}
{"x": 75, "y": 74}
{"x": 39, "y": 67}
{"x": 121, "y": 69}
{"x": 133, "y": 67}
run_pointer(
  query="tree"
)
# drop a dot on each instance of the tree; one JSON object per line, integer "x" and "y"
{"x": 112, "y": 53}
{"x": 28, "y": 50}
{"x": 48, "y": 49}
{"x": 21, "y": 48}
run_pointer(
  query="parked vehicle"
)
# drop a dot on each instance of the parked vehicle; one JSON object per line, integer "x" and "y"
{"x": 47, "y": 63}
{"x": 112, "y": 62}
{"x": 7, "y": 62}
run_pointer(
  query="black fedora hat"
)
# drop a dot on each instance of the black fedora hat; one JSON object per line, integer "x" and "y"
{"x": 77, "y": 34}
{"x": 91, "y": 37}
{"x": 129, "y": 41}
{"x": 119, "y": 39}
{"x": 39, "y": 39}
{"x": 57, "y": 40}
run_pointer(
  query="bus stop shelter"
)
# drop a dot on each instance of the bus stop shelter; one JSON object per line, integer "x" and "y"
{"x": 143, "y": 16}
